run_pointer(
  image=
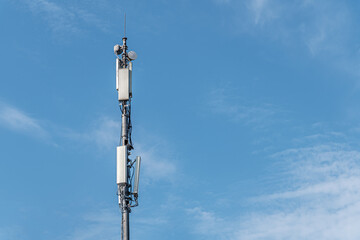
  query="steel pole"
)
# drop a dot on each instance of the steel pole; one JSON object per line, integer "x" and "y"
{"x": 125, "y": 224}
{"x": 124, "y": 189}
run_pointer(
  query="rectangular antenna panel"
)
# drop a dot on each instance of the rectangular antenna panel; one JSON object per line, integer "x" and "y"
{"x": 121, "y": 165}
{"x": 136, "y": 176}
{"x": 130, "y": 69}
{"x": 123, "y": 84}
{"x": 117, "y": 73}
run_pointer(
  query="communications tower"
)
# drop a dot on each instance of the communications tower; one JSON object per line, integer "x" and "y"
{"x": 127, "y": 170}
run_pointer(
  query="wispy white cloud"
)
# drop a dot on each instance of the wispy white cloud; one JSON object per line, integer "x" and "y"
{"x": 107, "y": 132}
{"x": 10, "y": 233}
{"x": 61, "y": 18}
{"x": 328, "y": 30}
{"x": 223, "y": 101}
{"x": 17, "y": 120}
{"x": 325, "y": 29}
{"x": 58, "y": 18}
{"x": 320, "y": 201}
{"x": 322, "y": 26}
{"x": 210, "y": 225}
{"x": 262, "y": 11}
{"x": 91, "y": 19}
{"x": 158, "y": 162}
{"x": 104, "y": 133}
{"x": 103, "y": 224}
{"x": 159, "y": 157}
{"x": 106, "y": 224}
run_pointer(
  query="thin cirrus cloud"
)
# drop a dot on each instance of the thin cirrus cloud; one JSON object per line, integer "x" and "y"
{"x": 11, "y": 233}
{"x": 320, "y": 201}
{"x": 103, "y": 224}
{"x": 63, "y": 19}
{"x": 261, "y": 11}
{"x": 14, "y": 119}
{"x": 158, "y": 164}
{"x": 222, "y": 101}
{"x": 103, "y": 133}
{"x": 325, "y": 29}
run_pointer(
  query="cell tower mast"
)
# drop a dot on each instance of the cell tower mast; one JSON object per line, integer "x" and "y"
{"x": 127, "y": 170}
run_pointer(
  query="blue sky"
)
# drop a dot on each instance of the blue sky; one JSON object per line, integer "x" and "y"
{"x": 245, "y": 114}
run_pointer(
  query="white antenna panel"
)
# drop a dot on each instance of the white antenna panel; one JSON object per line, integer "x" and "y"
{"x": 117, "y": 73}
{"x": 123, "y": 85}
{"x": 130, "y": 69}
{"x": 121, "y": 165}
{"x": 136, "y": 176}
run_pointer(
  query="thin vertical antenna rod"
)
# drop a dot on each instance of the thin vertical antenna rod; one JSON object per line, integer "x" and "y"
{"x": 124, "y": 47}
{"x": 125, "y": 26}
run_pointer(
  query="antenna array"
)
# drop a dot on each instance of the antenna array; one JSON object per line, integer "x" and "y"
{"x": 127, "y": 170}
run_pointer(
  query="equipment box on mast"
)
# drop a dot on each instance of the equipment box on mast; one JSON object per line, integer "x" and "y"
{"x": 121, "y": 165}
{"x": 123, "y": 82}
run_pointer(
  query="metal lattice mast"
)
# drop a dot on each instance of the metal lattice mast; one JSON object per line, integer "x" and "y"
{"x": 127, "y": 170}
